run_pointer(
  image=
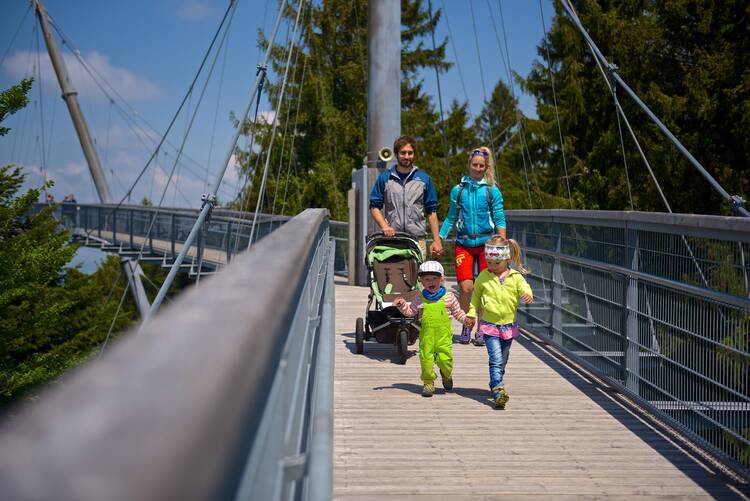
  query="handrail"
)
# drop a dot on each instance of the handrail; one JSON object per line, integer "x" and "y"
{"x": 179, "y": 411}
{"x": 656, "y": 304}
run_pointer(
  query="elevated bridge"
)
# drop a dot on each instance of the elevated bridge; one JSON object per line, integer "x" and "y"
{"x": 630, "y": 379}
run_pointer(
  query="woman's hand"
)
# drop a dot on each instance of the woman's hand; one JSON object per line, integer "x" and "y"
{"x": 526, "y": 298}
{"x": 469, "y": 321}
{"x": 399, "y": 303}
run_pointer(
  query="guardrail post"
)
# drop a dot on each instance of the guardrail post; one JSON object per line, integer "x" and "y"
{"x": 173, "y": 234}
{"x": 151, "y": 233}
{"x": 114, "y": 226}
{"x": 227, "y": 238}
{"x": 557, "y": 284}
{"x": 631, "y": 354}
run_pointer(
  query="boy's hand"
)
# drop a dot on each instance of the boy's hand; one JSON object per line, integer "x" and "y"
{"x": 526, "y": 298}
{"x": 469, "y": 321}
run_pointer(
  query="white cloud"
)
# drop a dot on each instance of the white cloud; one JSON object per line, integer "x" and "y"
{"x": 130, "y": 86}
{"x": 194, "y": 11}
{"x": 73, "y": 169}
{"x": 266, "y": 117}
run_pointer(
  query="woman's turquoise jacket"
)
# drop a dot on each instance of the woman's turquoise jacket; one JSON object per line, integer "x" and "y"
{"x": 480, "y": 213}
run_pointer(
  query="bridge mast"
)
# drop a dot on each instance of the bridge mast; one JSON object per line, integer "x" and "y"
{"x": 69, "y": 94}
{"x": 383, "y": 120}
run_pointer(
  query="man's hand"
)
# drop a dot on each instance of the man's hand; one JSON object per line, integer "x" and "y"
{"x": 436, "y": 247}
{"x": 388, "y": 231}
{"x": 526, "y": 298}
{"x": 469, "y": 321}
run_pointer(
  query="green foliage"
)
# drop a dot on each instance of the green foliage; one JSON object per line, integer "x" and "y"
{"x": 13, "y": 99}
{"x": 52, "y": 317}
{"x": 688, "y": 61}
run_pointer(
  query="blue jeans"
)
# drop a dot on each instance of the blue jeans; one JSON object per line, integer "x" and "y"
{"x": 499, "y": 350}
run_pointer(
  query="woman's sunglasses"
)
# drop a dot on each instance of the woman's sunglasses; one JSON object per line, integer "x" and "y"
{"x": 480, "y": 152}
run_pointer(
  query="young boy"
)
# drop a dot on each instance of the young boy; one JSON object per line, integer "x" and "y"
{"x": 434, "y": 304}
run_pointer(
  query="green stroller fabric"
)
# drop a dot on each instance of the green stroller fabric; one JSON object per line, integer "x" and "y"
{"x": 381, "y": 253}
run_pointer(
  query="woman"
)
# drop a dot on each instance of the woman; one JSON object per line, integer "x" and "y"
{"x": 477, "y": 211}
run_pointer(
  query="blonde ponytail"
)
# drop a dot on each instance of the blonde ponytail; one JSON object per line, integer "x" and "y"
{"x": 515, "y": 256}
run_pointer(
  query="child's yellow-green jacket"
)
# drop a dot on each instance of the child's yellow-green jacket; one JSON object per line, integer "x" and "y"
{"x": 499, "y": 301}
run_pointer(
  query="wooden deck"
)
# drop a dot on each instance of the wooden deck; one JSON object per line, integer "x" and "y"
{"x": 562, "y": 436}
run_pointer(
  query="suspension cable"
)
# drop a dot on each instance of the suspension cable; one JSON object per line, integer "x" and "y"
{"x": 230, "y": 9}
{"x": 458, "y": 61}
{"x": 209, "y": 198}
{"x": 13, "y": 38}
{"x": 108, "y": 92}
{"x": 481, "y": 74}
{"x": 440, "y": 103}
{"x": 261, "y": 193}
{"x": 557, "y": 113}
{"x": 611, "y": 83}
{"x": 735, "y": 202}
{"x": 521, "y": 128}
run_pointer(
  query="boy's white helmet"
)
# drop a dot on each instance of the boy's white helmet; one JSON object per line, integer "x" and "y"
{"x": 431, "y": 267}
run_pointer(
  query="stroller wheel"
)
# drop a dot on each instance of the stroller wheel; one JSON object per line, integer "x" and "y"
{"x": 359, "y": 336}
{"x": 403, "y": 340}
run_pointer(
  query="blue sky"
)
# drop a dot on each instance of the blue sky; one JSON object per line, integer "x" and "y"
{"x": 149, "y": 52}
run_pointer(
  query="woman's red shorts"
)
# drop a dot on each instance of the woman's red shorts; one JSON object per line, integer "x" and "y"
{"x": 465, "y": 258}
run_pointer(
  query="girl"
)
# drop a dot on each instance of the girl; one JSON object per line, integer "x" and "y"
{"x": 497, "y": 291}
{"x": 476, "y": 209}
{"x": 434, "y": 305}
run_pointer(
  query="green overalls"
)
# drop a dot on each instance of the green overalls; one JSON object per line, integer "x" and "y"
{"x": 435, "y": 340}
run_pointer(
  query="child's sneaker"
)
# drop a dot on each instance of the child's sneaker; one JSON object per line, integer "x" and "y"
{"x": 428, "y": 389}
{"x": 500, "y": 396}
{"x": 447, "y": 382}
{"x": 478, "y": 339}
{"x": 465, "y": 336}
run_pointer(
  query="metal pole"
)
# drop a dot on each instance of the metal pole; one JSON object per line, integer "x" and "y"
{"x": 209, "y": 199}
{"x": 384, "y": 75}
{"x": 70, "y": 96}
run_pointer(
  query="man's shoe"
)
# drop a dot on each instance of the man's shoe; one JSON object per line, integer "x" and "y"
{"x": 447, "y": 382}
{"x": 500, "y": 396}
{"x": 465, "y": 336}
{"x": 428, "y": 389}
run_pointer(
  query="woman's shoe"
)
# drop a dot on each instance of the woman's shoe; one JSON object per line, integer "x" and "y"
{"x": 478, "y": 339}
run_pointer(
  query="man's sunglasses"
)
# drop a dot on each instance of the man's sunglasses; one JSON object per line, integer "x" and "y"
{"x": 480, "y": 152}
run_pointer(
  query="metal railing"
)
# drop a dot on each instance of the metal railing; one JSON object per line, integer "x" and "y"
{"x": 226, "y": 394}
{"x": 226, "y": 231}
{"x": 657, "y": 304}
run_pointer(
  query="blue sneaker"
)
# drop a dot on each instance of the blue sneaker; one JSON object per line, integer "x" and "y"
{"x": 478, "y": 339}
{"x": 465, "y": 336}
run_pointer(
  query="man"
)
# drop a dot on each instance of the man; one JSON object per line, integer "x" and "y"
{"x": 401, "y": 197}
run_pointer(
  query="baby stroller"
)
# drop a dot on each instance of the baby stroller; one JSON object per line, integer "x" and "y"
{"x": 392, "y": 264}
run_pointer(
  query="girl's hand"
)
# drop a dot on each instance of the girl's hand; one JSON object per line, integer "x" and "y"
{"x": 526, "y": 298}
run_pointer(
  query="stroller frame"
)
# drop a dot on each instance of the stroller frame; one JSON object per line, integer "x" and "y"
{"x": 385, "y": 322}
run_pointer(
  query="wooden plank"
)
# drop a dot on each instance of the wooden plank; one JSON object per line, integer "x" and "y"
{"x": 561, "y": 436}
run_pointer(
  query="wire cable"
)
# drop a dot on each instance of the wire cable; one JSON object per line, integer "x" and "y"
{"x": 275, "y": 122}
{"x": 557, "y": 114}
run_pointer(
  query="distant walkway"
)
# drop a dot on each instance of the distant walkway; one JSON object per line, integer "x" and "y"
{"x": 562, "y": 435}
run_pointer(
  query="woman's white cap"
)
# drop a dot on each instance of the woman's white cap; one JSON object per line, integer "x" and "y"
{"x": 431, "y": 267}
